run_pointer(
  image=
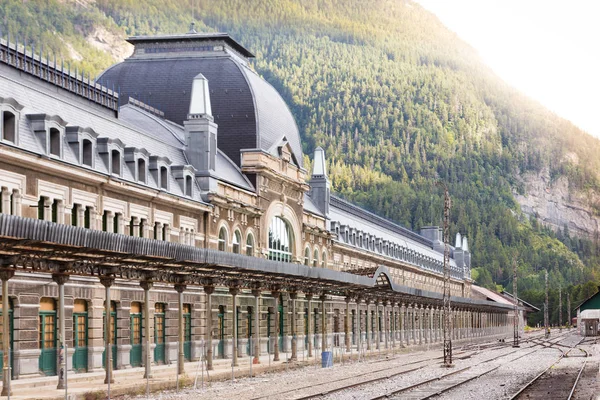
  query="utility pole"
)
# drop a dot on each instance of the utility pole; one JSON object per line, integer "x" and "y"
{"x": 516, "y": 318}
{"x": 569, "y": 310}
{"x": 446, "y": 311}
{"x": 546, "y": 327}
{"x": 560, "y": 320}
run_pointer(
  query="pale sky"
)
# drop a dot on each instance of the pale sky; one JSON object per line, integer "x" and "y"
{"x": 548, "y": 49}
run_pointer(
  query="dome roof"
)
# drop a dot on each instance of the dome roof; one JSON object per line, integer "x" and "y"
{"x": 249, "y": 112}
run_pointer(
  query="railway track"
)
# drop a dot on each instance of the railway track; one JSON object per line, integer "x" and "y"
{"x": 557, "y": 381}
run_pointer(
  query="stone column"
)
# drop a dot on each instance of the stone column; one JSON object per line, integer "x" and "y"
{"x": 256, "y": 294}
{"x": 357, "y": 327}
{"x": 60, "y": 279}
{"x": 323, "y": 324}
{"x": 402, "y": 310}
{"x": 394, "y": 325}
{"x": 147, "y": 285}
{"x": 367, "y": 317}
{"x": 135, "y": 222}
{"x": 107, "y": 282}
{"x": 414, "y": 323}
{"x": 209, "y": 290}
{"x": 233, "y": 291}
{"x": 179, "y": 288}
{"x": 275, "y": 295}
{"x": 5, "y": 275}
{"x": 385, "y": 325}
{"x": 431, "y": 328}
{"x": 294, "y": 295}
{"x": 309, "y": 297}
{"x": 377, "y": 328}
{"x": 347, "y": 325}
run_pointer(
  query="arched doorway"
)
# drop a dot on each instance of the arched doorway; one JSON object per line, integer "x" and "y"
{"x": 80, "y": 336}
{"x": 159, "y": 333}
{"x": 221, "y": 321}
{"x": 47, "y": 336}
{"x": 135, "y": 321}
{"x": 187, "y": 332}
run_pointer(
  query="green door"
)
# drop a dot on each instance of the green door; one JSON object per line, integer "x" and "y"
{"x": 159, "y": 333}
{"x": 47, "y": 340}
{"x": 281, "y": 324}
{"x": 80, "y": 338}
{"x": 113, "y": 330}
{"x": 221, "y": 318}
{"x": 135, "y": 355}
{"x": 187, "y": 332}
{"x": 11, "y": 329}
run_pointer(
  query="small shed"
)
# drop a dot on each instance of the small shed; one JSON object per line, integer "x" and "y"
{"x": 588, "y": 316}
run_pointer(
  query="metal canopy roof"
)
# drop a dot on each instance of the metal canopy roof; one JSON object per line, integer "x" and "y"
{"x": 41, "y": 246}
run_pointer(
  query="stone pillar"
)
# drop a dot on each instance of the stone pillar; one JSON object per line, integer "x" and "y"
{"x": 81, "y": 216}
{"x": 107, "y": 282}
{"x": 323, "y": 324}
{"x": 431, "y": 329}
{"x": 309, "y": 297}
{"x": 179, "y": 288}
{"x": 61, "y": 279}
{"x": 209, "y": 290}
{"x": 275, "y": 295}
{"x": 394, "y": 325}
{"x": 385, "y": 325}
{"x": 233, "y": 291}
{"x": 357, "y": 327}
{"x": 402, "y": 327}
{"x": 413, "y": 322}
{"x": 5, "y": 275}
{"x": 256, "y": 294}
{"x": 367, "y": 318}
{"x": 420, "y": 320}
{"x": 347, "y": 325}
{"x": 293, "y": 295}
{"x": 147, "y": 285}
{"x": 377, "y": 327}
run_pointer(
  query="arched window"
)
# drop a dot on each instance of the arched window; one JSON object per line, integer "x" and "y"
{"x": 164, "y": 178}
{"x": 86, "y": 153}
{"x": 223, "y": 239}
{"x": 9, "y": 129}
{"x": 55, "y": 142}
{"x": 316, "y": 258}
{"x": 141, "y": 166}
{"x": 116, "y": 162}
{"x": 188, "y": 185}
{"x": 250, "y": 245}
{"x": 280, "y": 240}
{"x": 237, "y": 239}
{"x": 307, "y": 256}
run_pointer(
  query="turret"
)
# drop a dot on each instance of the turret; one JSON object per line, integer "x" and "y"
{"x": 201, "y": 135}
{"x": 319, "y": 183}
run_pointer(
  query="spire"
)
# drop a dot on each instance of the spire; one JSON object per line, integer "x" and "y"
{"x": 458, "y": 243}
{"x": 200, "y": 101}
{"x": 465, "y": 244}
{"x": 319, "y": 166}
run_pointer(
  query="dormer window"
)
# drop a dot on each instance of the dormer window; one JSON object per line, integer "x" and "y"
{"x": 87, "y": 154}
{"x": 9, "y": 127}
{"x": 115, "y": 156}
{"x": 164, "y": 178}
{"x": 49, "y": 131}
{"x": 141, "y": 168}
{"x": 188, "y": 186}
{"x": 159, "y": 170}
{"x": 9, "y": 120}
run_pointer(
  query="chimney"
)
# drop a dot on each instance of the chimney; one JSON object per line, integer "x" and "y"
{"x": 319, "y": 183}
{"x": 201, "y": 135}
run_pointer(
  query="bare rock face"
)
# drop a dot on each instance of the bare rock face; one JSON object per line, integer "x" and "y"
{"x": 110, "y": 42}
{"x": 556, "y": 205}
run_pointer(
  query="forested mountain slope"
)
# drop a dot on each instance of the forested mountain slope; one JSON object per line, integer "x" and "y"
{"x": 396, "y": 100}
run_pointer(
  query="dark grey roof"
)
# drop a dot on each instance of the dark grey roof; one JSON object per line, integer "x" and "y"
{"x": 196, "y": 37}
{"x": 250, "y": 113}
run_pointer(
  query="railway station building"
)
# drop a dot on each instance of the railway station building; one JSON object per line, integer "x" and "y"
{"x": 588, "y": 316}
{"x": 170, "y": 198}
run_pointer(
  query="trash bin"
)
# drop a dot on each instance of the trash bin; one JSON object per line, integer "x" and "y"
{"x": 326, "y": 359}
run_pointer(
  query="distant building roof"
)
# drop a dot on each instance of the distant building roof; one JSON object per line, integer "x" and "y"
{"x": 531, "y": 307}
{"x": 591, "y": 303}
{"x": 491, "y": 295}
